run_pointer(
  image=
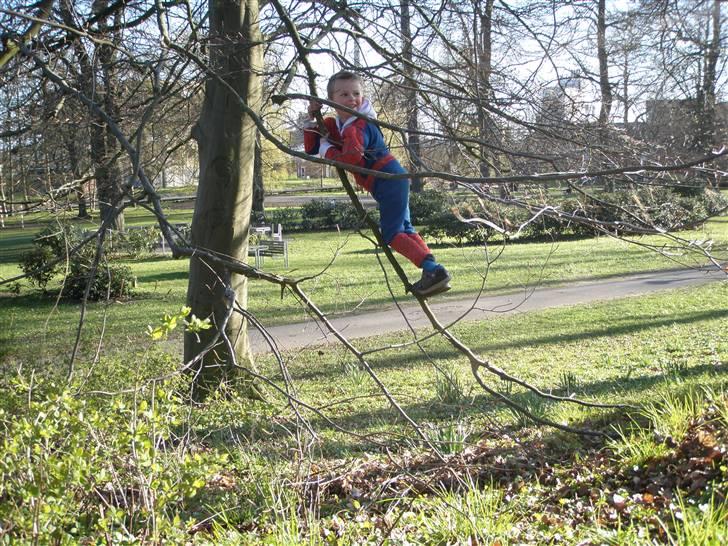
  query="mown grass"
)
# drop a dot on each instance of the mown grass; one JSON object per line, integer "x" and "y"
{"x": 349, "y": 278}
{"x": 616, "y": 352}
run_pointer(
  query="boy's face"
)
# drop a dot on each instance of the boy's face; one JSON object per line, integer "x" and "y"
{"x": 347, "y": 93}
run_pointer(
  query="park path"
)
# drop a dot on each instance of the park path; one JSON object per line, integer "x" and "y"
{"x": 365, "y": 324}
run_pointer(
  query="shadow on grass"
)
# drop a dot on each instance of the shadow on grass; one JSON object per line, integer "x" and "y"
{"x": 432, "y": 411}
{"x": 34, "y": 299}
{"x": 634, "y": 325}
{"x": 13, "y": 246}
{"x": 165, "y": 276}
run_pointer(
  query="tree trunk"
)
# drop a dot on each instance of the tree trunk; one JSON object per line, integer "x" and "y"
{"x": 625, "y": 91}
{"x": 3, "y": 200}
{"x": 413, "y": 139}
{"x": 103, "y": 146}
{"x": 706, "y": 137}
{"x": 483, "y": 45}
{"x": 258, "y": 188}
{"x": 74, "y": 160}
{"x": 605, "y": 87}
{"x": 110, "y": 184}
{"x": 226, "y": 144}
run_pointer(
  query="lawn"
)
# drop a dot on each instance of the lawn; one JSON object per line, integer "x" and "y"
{"x": 349, "y": 278}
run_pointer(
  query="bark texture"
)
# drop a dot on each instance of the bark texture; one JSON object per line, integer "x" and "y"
{"x": 226, "y": 143}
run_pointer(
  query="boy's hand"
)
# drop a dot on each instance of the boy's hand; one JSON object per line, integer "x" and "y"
{"x": 313, "y": 107}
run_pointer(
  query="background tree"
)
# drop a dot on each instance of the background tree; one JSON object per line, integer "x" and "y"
{"x": 410, "y": 94}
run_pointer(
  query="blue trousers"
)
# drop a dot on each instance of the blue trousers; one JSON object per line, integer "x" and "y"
{"x": 393, "y": 199}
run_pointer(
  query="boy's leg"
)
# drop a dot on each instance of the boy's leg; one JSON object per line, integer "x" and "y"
{"x": 420, "y": 241}
{"x": 394, "y": 221}
{"x": 393, "y": 199}
{"x": 398, "y": 233}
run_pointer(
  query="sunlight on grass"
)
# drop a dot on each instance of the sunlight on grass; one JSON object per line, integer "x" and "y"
{"x": 699, "y": 524}
{"x": 637, "y": 448}
{"x": 352, "y": 281}
{"x": 672, "y": 413}
{"x": 476, "y": 512}
{"x": 612, "y": 351}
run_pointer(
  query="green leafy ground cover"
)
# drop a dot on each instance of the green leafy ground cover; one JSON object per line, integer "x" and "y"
{"x": 79, "y": 466}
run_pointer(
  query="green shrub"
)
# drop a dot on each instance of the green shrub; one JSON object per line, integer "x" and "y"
{"x": 322, "y": 214}
{"x": 111, "y": 280}
{"x": 51, "y": 244}
{"x": 135, "y": 242}
{"x": 59, "y": 237}
{"x": 288, "y": 217}
{"x": 690, "y": 188}
{"x": 35, "y": 264}
{"x": 446, "y": 224}
{"x": 664, "y": 207}
{"x": 427, "y": 205}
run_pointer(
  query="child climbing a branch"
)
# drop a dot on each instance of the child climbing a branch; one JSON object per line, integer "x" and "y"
{"x": 358, "y": 141}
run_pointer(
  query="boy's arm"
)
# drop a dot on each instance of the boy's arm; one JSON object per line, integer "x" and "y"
{"x": 352, "y": 147}
{"x": 313, "y": 143}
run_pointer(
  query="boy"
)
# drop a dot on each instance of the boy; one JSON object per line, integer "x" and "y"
{"x": 359, "y": 142}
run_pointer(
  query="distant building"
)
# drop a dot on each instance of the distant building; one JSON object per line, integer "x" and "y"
{"x": 674, "y": 123}
{"x": 563, "y": 102}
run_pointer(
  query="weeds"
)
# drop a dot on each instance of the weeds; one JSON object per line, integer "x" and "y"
{"x": 449, "y": 386}
{"x": 673, "y": 368}
{"x": 356, "y": 374}
{"x": 672, "y": 413}
{"x": 568, "y": 382}
{"x": 637, "y": 448}
{"x": 699, "y": 524}
{"x": 450, "y": 438}
{"x": 450, "y": 516}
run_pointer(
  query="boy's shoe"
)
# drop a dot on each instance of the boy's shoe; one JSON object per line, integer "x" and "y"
{"x": 432, "y": 283}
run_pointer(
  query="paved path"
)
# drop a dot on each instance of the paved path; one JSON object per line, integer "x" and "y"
{"x": 299, "y": 335}
{"x": 299, "y": 200}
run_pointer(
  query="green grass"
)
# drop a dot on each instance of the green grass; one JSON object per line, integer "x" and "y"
{"x": 615, "y": 351}
{"x": 350, "y": 278}
{"x": 232, "y": 471}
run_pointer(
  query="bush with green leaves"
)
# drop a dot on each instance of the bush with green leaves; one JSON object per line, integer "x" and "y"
{"x": 327, "y": 214}
{"x": 288, "y": 217}
{"x": 427, "y": 205}
{"x": 60, "y": 237}
{"x": 622, "y": 210}
{"x": 446, "y": 225}
{"x": 111, "y": 281}
{"x": 53, "y": 243}
{"x": 135, "y": 242}
{"x": 665, "y": 207}
{"x": 73, "y": 467}
{"x": 36, "y": 264}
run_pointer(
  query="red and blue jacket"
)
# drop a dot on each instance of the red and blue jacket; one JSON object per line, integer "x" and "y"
{"x": 356, "y": 141}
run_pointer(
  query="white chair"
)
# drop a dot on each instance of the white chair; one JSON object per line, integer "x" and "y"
{"x": 278, "y": 233}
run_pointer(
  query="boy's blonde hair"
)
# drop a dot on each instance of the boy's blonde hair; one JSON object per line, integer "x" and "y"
{"x": 342, "y": 75}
